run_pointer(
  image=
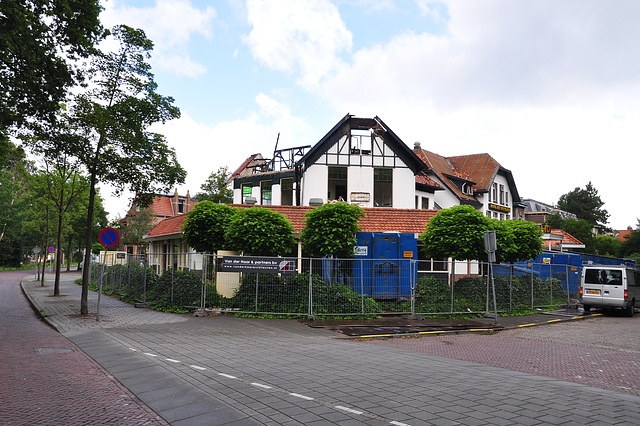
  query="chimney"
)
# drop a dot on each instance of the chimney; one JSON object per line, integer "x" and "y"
{"x": 416, "y": 145}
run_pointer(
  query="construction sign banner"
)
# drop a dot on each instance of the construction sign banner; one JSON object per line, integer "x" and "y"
{"x": 269, "y": 265}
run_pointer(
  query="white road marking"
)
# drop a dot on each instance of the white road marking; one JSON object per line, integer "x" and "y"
{"x": 297, "y": 395}
{"x": 349, "y": 410}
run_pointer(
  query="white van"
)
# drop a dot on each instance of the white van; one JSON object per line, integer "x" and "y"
{"x": 608, "y": 287}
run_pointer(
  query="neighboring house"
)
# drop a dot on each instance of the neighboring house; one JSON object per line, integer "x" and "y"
{"x": 537, "y": 211}
{"x": 557, "y": 240}
{"x": 477, "y": 180}
{"x": 162, "y": 207}
{"x": 167, "y": 248}
{"x": 623, "y": 234}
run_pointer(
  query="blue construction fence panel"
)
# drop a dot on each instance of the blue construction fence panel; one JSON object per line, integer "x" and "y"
{"x": 384, "y": 266}
{"x": 566, "y": 267}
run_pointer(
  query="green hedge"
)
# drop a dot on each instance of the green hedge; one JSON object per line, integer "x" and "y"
{"x": 434, "y": 295}
{"x": 290, "y": 294}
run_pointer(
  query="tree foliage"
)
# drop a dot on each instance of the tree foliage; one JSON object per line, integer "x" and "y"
{"x": 585, "y": 204}
{"x": 214, "y": 189}
{"x": 39, "y": 40}
{"x": 205, "y": 226}
{"x": 456, "y": 232}
{"x": 606, "y": 245}
{"x": 133, "y": 229}
{"x": 109, "y": 124}
{"x": 631, "y": 245}
{"x": 258, "y": 231}
{"x": 517, "y": 240}
{"x": 330, "y": 230}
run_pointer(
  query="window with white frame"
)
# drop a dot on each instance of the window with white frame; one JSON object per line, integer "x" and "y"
{"x": 246, "y": 192}
{"x": 265, "y": 193}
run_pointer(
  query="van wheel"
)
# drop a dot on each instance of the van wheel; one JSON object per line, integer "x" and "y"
{"x": 631, "y": 309}
{"x": 586, "y": 308}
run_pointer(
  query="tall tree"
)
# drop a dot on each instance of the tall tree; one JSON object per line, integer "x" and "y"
{"x": 112, "y": 119}
{"x": 64, "y": 185}
{"x": 215, "y": 189}
{"x": 585, "y": 204}
{"x": 517, "y": 240}
{"x": 330, "y": 230}
{"x": 39, "y": 39}
{"x": 456, "y": 232}
{"x": 135, "y": 228}
{"x": 205, "y": 226}
{"x": 258, "y": 231}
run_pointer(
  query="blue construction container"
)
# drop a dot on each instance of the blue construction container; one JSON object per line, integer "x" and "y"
{"x": 385, "y": 266}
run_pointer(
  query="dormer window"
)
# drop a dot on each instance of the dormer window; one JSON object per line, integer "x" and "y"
{"x": 467, "y": 188}
{"x": 181, "y": 206}
{"x": 361, "y": 142}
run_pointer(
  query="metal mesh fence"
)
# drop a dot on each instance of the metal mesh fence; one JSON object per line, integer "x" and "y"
{"x": 187, "y": 281}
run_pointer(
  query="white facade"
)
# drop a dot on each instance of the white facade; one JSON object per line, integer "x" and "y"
{"x": 498, "y": 202}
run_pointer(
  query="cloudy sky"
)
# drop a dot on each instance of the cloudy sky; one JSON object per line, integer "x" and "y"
{"x": 551, "y": 89}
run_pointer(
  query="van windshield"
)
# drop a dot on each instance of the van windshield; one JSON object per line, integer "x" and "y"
{"x": 603, "y": 276}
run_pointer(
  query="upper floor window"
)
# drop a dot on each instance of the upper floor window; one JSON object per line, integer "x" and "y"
{"x": 494, "y": 192}
{"x": 181, "y": 206}
{"x": 265, "y": 193}
{"x": 361, "y": 142}
{"x": 383, "y": 187}
{"x": 286, "y": 192}
{"x": 501, "y": 194}
{"x": 246, "y": 192}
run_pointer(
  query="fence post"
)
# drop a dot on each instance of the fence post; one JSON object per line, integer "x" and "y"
{"x": 568, "y": 293}
{"x": 362, "y": 284}
{"x": 310, "y": 307}
{"x": 257, "y": 274}
{"x": 532, "y": 293}
{"x": 413, "y": 270}
{"x": 452, "y": 280}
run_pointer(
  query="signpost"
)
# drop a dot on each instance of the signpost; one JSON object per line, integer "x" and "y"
{"x": 108, "y": 238}
{"x": 491, "y": 246}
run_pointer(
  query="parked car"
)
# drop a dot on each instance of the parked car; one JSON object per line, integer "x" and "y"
{"x": 610, "y": 287}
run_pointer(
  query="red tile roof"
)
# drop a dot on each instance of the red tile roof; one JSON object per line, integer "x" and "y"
{"x": 567, "y": 241}
{"x": 375, "y": 220}
{"x": 441, "y": 167}
{"x": 481, "y": 168}
{"x": 623, "y": 235}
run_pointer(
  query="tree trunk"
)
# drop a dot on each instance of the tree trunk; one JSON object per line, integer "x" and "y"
{"x": 84, "y": 298}
{"x": 56, "y": 285}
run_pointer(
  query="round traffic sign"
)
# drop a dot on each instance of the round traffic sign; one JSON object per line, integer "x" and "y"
{"x": 109, "y": 237}
{"x": 52, "y": 249}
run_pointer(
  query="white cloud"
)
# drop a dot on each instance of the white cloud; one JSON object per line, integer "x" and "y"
{"x": 298, "y": 37}
{"x": 171, "y": 25}
{"x": 549, "y": 89}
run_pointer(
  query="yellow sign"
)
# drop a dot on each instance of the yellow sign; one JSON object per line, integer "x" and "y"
{"x": 408, "y": 254}
{"x": 499, "y": 208}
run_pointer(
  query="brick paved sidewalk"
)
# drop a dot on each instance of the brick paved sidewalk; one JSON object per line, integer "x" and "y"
{"x": 47, "y": 380}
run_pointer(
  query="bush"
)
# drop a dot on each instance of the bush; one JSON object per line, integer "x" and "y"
{"x": 290, "y": 294}
{"x": 176, "y": 290}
